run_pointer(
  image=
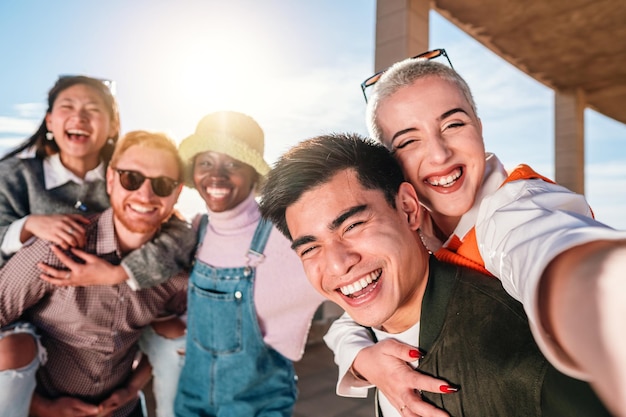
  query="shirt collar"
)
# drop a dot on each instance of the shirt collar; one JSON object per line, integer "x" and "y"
{"x": 56, "y": 174}
{"x": 494, "y": 176}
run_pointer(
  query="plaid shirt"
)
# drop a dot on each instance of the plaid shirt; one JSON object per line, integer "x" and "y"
{"x": 90, "y": 333}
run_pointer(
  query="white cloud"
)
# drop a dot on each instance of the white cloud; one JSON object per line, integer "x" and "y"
{"x": 9, "y": 143}
{"x": 605, "y": 184}
{"x": 18, "y": 125}
{"x": 30, "y": 110}
{"x": 615, "y": 169}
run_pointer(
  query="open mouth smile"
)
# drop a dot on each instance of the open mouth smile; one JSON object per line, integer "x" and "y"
{"x": 142, "y": 209}
{"x": 362, "y": 286}
{"x": 447, "y": 180}
{"x": 76, "y": 134}
{"x": 217, "y": 192}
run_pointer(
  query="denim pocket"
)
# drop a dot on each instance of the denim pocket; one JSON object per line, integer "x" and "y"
{"x": 215, "y": 319}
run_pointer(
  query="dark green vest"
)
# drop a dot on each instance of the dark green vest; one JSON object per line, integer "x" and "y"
{"x": 477, "y": 337}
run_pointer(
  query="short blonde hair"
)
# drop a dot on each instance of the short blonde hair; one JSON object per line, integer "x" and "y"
{"x": 403, "y": 74}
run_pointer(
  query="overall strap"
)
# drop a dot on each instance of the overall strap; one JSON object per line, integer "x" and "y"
{"x": 204, "y": 221}
{"x": 259, "y": 240}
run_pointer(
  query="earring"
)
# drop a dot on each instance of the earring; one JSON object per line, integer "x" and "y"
{"x": 49, "y": 136}
{"x": 110, "y": 141}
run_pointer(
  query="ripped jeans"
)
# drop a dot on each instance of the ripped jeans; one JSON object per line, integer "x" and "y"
{"x": 17, "y": 385}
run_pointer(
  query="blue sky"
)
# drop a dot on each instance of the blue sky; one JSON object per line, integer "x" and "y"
{"x": 295, "y": 66}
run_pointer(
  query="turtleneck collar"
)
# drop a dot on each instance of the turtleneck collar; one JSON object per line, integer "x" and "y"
{"x": 232, "y": 221}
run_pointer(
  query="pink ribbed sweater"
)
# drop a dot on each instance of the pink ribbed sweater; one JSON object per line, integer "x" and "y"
{"x": 285, "y": 301}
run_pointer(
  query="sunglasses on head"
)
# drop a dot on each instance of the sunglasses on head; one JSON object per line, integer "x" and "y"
{"x": 110, "y": 84}
{"x": 435, "y": 53}
{"x": 132, "y": 180}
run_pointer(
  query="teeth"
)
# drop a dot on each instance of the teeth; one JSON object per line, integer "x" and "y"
{"x": 362, "y": 283}
{"x": 217, "y": 192}
{"x": 141, "y": 209}
{"x": 77, "y": 132}
{"x": 446, "y": 181}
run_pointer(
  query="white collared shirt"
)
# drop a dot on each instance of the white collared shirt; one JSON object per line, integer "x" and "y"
{"x": 56, "y": 174}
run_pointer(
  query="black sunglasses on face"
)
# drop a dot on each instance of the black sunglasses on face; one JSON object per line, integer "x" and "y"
{"x": 435, "y": 53}
{"x": 132, "y": 180}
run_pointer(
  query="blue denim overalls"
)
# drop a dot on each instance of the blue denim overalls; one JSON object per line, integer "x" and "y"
{"x": 229, "y": 371}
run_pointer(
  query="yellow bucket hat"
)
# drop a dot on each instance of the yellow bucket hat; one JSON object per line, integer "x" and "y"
{"x": 234, "y": 134}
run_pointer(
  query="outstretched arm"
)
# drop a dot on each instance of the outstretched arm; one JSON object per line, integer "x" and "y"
{"x": 566, "y": 268}
{"x": 584, "y": 294}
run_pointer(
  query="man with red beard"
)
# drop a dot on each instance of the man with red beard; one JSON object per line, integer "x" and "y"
{"x": 91, "y": 333}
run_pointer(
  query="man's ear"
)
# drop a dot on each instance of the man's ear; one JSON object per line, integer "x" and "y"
{"x": 408, "y": 202}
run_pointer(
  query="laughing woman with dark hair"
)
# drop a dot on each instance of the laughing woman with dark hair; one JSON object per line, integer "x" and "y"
{"x": 57, "y": 174}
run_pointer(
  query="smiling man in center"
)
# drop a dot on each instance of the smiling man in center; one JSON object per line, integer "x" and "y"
{"x": 374, "y": 285}
{"x": 354, "y": 222}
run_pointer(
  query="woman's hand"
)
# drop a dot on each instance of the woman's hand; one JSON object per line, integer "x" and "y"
{"x": 117, "y": 399}
{"x": 92, "y": 271}
{"x": 61, "y": 407}
{"x": 65, "y": 230}
{"x": 385, "y": 365}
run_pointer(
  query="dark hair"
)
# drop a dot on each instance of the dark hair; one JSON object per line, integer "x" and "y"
{"x": 315, "y": 161}
{"x": 44, "y": 147}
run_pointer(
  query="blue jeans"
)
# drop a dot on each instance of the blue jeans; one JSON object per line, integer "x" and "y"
{"x": 17, "y": 385}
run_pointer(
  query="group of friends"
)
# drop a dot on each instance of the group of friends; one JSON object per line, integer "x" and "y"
{"x": 468, "y": 290}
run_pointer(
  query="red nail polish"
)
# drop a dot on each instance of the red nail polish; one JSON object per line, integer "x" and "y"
{"x": 447, "y": 389}
{"x": 414, "y": 353}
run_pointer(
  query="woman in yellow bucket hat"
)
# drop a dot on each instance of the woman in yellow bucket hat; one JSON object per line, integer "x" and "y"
{"x": 250, "y": 305}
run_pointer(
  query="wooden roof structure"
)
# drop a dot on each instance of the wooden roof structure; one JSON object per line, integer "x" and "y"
{"x": 569, "y": 45}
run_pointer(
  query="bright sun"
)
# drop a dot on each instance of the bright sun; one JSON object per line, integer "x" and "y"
{"x": 217, "y": 73}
